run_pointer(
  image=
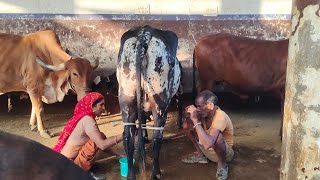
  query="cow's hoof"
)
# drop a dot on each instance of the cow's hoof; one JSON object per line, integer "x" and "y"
{"x": 131, "y": 178}
{"x": 156, "y": 176}
{"x": 33, "y": 127}
{"x": 46, "y": 134}
{"x": 146, "y": 140}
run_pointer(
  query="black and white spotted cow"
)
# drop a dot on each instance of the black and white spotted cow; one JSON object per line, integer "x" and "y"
{"x": 149, "y": 75}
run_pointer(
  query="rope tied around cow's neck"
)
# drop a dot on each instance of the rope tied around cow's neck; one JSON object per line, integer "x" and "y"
{"x": 144, "y": 126}
{"x": 73, "y": 86}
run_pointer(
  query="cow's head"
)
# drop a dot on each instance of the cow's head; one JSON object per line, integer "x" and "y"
{"x": 77, "y": 76}
{"x": 106, "y": 85}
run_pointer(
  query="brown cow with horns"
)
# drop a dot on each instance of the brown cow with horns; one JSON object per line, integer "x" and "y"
{"x": 36, "y": 64}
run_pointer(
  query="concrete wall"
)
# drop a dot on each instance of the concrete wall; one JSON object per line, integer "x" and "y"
{"x": 301, "y": 128}
{"x": 93, "y": 29}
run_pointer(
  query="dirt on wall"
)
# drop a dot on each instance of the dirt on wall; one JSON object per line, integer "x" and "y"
{"x": 99, "y": 38}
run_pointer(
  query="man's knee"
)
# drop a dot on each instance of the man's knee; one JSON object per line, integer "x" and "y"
{"x": 220, "y": 144}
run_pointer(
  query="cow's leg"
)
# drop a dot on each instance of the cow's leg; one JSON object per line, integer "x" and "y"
{"x": 159, "y": 120}
{"x": 37, "y": 109}
{"x": 243, "y": 97}
{"x": 145, "y": 116}
{"x": 203, "y": 85}
{"x": 128, "y": 110}
{"x": 206, "y": 85}
{"x": 9, "y": 103}
{"x": 33, "y": 120}
{"x": 180, "y": 110}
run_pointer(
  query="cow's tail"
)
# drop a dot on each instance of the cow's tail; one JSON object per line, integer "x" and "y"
{"x": 194, "y": 87}
{"x": 144, "y": 37}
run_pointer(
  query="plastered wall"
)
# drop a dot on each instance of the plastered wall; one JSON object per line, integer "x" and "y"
{"x": 93, "y": 29}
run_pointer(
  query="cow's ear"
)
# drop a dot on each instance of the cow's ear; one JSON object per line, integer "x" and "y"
{"x": 97, "y": 80}
{"x": 64, "y": 86}
{"x": 107, "y": 79}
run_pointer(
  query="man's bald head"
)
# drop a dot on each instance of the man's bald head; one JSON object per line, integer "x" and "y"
{"x": 207, "y": 96}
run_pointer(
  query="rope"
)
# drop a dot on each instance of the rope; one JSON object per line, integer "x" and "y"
{"x": 130, "y": 124}
{"x": 144, "y": 126}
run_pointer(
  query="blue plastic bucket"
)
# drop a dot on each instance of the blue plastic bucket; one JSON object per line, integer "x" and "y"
{"x": 124, "y": 166}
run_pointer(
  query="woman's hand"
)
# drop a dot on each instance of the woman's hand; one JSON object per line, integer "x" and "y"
{"x": 121, "y": 155}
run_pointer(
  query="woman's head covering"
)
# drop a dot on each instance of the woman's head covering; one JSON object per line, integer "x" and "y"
{"x": 83, "y": 108}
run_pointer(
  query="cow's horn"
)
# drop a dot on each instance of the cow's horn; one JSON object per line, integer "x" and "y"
{"x": 59, "y": 67}
{"x": 95, "y": 64}
{"x": 71, "y": 53}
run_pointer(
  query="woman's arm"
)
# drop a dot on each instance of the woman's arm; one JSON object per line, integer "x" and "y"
{"x": 91, "y": 129}
{"x": 102, "y": 142}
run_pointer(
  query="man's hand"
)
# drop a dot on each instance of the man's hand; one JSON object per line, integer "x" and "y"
{"x": 192, "y": 110}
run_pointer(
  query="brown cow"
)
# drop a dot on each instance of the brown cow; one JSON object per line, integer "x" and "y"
{"x": 22, "y": 158}
{"x": 243, "y": 65}
{"x": 22, "y": 70}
